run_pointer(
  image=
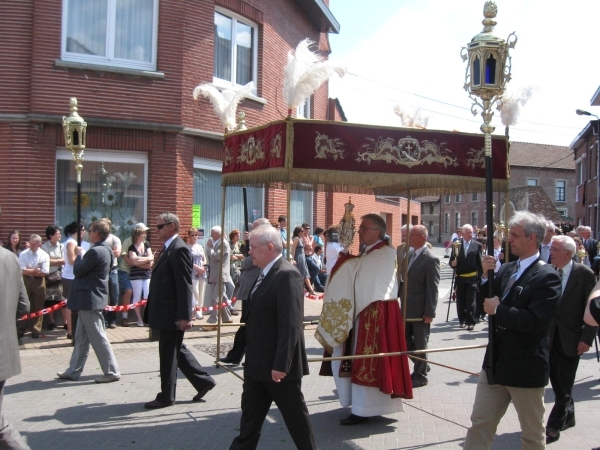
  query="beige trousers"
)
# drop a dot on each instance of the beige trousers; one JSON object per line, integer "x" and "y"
{"x": 491, "y": 403}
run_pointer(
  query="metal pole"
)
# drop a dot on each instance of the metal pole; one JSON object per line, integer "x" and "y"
{"x": 289, "y": 221}
{"x": 405, "y": 271}
{"x": 220, "y": 285}
{"x": 451, "y": 291}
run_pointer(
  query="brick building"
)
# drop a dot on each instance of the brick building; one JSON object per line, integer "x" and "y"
{"x": 542, "y": 179}
{"x": 585, "y": 147}
{"x": 150, "y": 146}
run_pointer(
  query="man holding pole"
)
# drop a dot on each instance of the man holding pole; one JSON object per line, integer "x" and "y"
{"x": 527, "y": 294}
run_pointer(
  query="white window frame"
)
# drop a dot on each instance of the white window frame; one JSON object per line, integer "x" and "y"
{"x": 457, "y": 223}
{"x": 228, "y": 84}
{"x": 303, "y": 111}
{"x": 537, "y": 182}
{"x": 564, "y": 212}
{"x": 447, "y": 224}
{"x": 109, "y": 59}
{"x": 556, "y": 190}
{"x": 100, "y": 155}
{"x": 447, "y": 199}
{"x": 474, "y": 197}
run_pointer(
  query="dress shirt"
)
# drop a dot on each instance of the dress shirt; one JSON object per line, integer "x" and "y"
{"x": 168, "y": 241}
{"x": 31, "y": 260}
{"x": 369, "y": 247}
{"x": 266, "y": 269}
{"x": 525, "y": 263}
{"x": 466, "y": 246}
{"x": 565, "y": 276}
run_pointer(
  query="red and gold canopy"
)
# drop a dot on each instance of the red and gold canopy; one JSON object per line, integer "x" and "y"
{"x": 354, "y": 158}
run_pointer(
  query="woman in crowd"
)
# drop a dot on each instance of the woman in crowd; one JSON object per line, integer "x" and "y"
{"x": 69, "y": 258}
{"x": 300, "y": 257}
{"x": 14, "y": 242}
{"x": 199, "y": 270}
{"x": 318, "y": 238}
{"x": 54, "y": 288}
{"x": 141, "y": 257}
{"x": 236, "y": 257}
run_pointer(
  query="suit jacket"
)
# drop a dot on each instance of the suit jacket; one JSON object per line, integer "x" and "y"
{"x": 90, "y": 286}
{"x": 401, "y": 256}
{"x": 13, "y": 304}
{"x": 591, "y": 247}
{"x": 522, "y": 324}
{"x": 247, "y": 278}
{"x": 423, "y": 281}
{"x": 471, "y": 262}
{"x": 170, "y": 295}
{"x": 214, "y": 260}
{"x": 568, "y": 321}
{"x": 274, "y": 330}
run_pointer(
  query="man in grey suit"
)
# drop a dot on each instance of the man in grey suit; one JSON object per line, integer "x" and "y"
{"x": 569, "y": 336}
{"x": 211, "y": 296}
{"x": 247, "y": 279}
{"x": 423, "y": 279}
{"x": 13, "y": 304}
{"x": 89, "y": 296}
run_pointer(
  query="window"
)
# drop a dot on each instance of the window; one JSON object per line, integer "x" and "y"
{"x": 457, "y": 223}
{"x": 532, "y": 181}
{"x": 447, "y": 199}
{"x": 431, "y": 208}
{"x": 113, "y": 185}
{"x": 580, "y": 173}
{"x": 475, "y": 197}
{"x": 207, "y": 199}
{"x": 120, "y": 33}
{"x": 235, "y": 50}
{"x": 301, "y": 208}
{"x": 303, "y": 111}
{"x": 457, "y": 198}
{"x": 562, "y": 211}
{"x": 447, "y": 223}
{"x": 474, "y": 218}
{"x": 561, "y": 187}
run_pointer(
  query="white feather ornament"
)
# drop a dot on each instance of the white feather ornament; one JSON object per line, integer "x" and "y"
{"x": 411, "y": 119}
{"x": 304, "y": 73}
{"x": 224, "y": 102}
{"x": 512, "y": 102}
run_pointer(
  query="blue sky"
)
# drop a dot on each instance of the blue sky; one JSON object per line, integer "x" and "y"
{"x": 407, "y": 52}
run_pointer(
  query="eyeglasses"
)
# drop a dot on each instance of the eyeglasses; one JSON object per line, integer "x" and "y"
{"x": 362, "y": 227}
{"x": 160, "y": 226}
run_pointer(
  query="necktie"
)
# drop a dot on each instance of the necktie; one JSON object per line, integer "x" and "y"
{"x": 258, "y": 281}
{"x": 560, "y": 274}
{"x": 466, "y": 247}
{"x": 562, "y": 285}
{"x": 413, "y": 256}
{"x": 511, "y": 280}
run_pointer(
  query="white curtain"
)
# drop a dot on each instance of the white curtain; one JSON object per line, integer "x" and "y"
{"x": 223, "y": 44}
{"x": 86, "y": 26}
{"x": 133, "y": 30}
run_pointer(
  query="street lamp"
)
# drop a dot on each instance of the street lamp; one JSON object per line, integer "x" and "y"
{"x": 581, "y": 112}
{"x": 488, "y": 71}
{"x": 75, "y": 133}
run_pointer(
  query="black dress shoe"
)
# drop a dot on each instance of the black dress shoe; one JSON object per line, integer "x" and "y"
{"x": 353, "y": 419}
{"x": 20, "y": 335}
{"x": 568, "y": 424}
{"x": 155, "y": 404}
{"x": 235, "y": 313}
{"x": 462, "y": 325}
{"x": 51, "y": 326}
{"x": 35, "y": 335}
{"x": 202, "y": 393}
{"x": 228, "y": 360}
{"x": 552, "y": 435}
{"x": 419, "y": 382}
{"x": 470, "y": 327}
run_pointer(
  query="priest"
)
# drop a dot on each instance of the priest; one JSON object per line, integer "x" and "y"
{"x": 361, "y": 315}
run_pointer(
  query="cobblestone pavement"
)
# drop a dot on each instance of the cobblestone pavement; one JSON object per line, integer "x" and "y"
{"x": 56, "y": 414}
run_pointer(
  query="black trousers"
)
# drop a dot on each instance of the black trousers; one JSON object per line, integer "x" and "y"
{"x": 466, "y": 296}
{"x": 193, "y": 370}
{"x": 563, "y": 369}
{"x": 257, "y": 398}
{"x": 417, "y": 338}
{"x": 239, "y": 341}
{"x": 169, "y": 346}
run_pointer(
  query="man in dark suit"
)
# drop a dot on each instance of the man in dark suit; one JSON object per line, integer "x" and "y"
{"x": 569, "y": 336}
{"x": 591, "y": 245}
{"x": 468, "y": 272}
{"x": 547, "y": 243}
{"x": 247, "y": 279}
{"x": 423, "y": 279}
{"x": 275, "y": 351}
{"x": 527, "y": 293}
{"x": 169, "y": 309}
{"x": 14, "y": 303}
{"x": 89, "y": 296}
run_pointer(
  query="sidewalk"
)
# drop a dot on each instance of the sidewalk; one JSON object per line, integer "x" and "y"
{"x": 54, "y": 414}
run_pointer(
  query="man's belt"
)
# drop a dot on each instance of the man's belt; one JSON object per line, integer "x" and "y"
{"x": 467, "y": 275}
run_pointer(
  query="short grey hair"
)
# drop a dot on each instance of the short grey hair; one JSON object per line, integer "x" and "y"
{"x": 260, "y": 222}
{"x": 550, "y": 225}
{"x": 567, "y": 242}
{"x": 532, "y": 224}
{"x": 268, "y": 235}
{"x": 168, "y": 217}
{"x": 35, "y": 238}
{"x": 466, "y": 226}
{"x": 216, "y": 229}
{"x": 379, "y": 223}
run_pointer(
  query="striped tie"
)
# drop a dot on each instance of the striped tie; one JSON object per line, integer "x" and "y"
{"x": 258, "y": 281}
{"x": 511, "y": 280}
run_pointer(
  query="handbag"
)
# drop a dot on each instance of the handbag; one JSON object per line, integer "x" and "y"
{"x": 54, "y": 278}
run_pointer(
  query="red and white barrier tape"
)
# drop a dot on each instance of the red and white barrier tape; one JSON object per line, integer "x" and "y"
{"x": 211, "y": 308}
{"x": 63, "y": 303}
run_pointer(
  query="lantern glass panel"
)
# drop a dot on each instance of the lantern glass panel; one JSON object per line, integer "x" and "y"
{"x": 490, "y": 70}
{"x": 476, "y": 72}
